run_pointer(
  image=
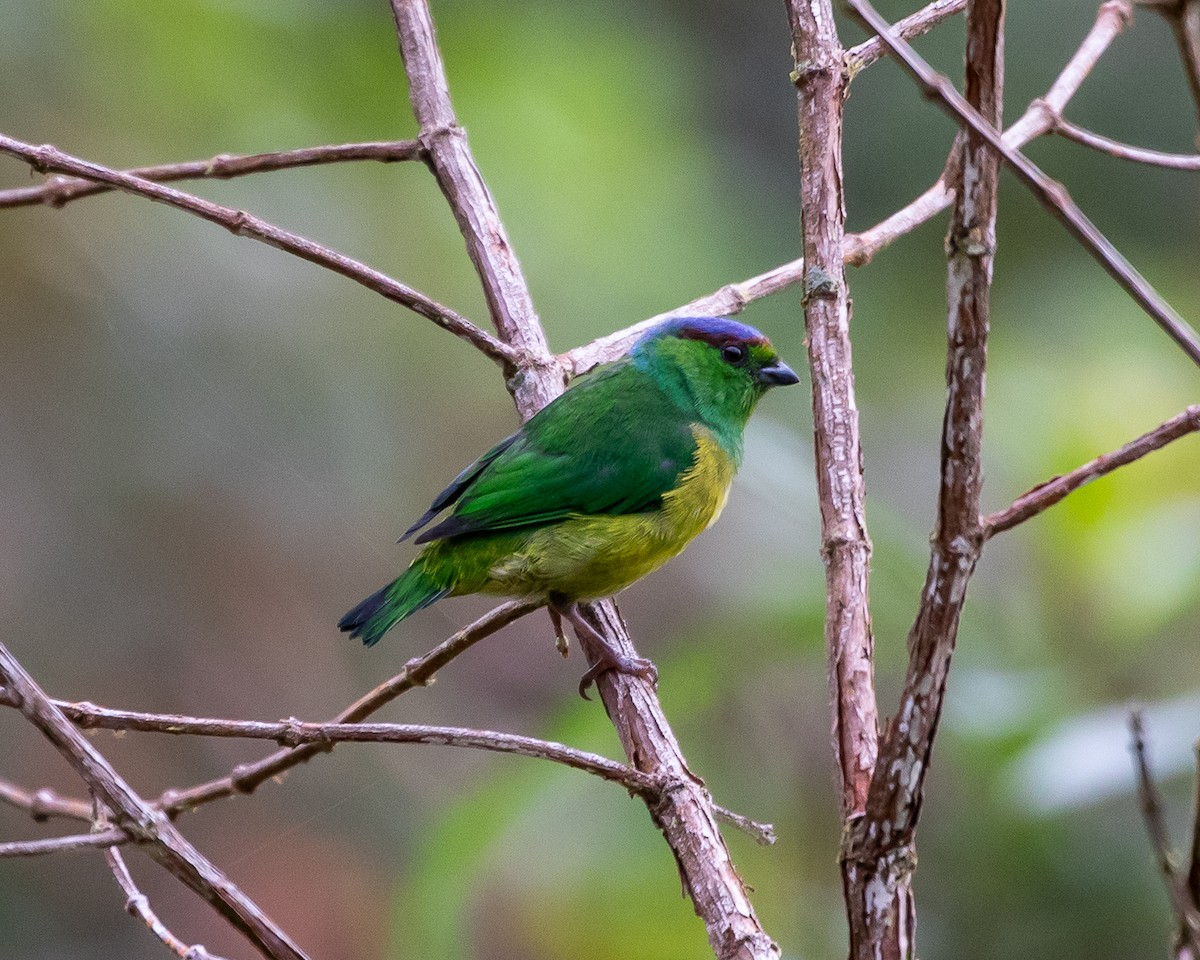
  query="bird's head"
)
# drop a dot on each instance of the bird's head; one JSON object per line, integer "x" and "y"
{"x": 714, "y": 364}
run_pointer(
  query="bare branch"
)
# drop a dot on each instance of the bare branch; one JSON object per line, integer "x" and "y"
{"x": 295, "y": 733}
{"x": 880, "y": 843}
{"x": 685, "y": 814}
{"x": 61, "y": 190}
{"x": 449, "y": 156}
{"x": 247, "y": 777}
{"x": 1186, "y": 914}
{"x": 138, "y": 905}
{"x": 730, "y": 299}
{"x": 1053, "y": 196}
{"x": 83, "y": 841}
{"x": 859, "y": 248}
{"x": 1047, "y": 494}
{"x": 242, "y": 224}
{"x": 44, "y": 803}
{"x": 142, "y": 822}
{"x": 914, "y": 25}
{"x": 1112, "y": 18}
{"x": 1125, "y": 151}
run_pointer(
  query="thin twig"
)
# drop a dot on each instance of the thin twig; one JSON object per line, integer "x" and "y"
{"x": 82, "y": 841}
{"x": 137, "y": 904}
{"x": 61, "y": 190}
{"x": 1184, "y": 18}
{"x": 295, "y": 733}
{"x": 44, "y": 803}
{"x": 242, "y": 224}
{"x": 1125, "y": 151}
{"x": 914, "y": 25}
{"x": 1112, "y": 18}
{"x": 1046, "y": 494}
{"x": 1186, "y": 913}
{"x": 247, "y": 777}
{"x": 142, "y": 822}
{"x": 1052, "y": 195}
{"x": 859, "y": 248}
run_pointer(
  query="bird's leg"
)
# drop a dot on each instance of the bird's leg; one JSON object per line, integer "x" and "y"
{"x": 610, "y": 658}
{"x": 560, "y": 637}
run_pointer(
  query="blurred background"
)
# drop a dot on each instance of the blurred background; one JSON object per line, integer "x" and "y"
{"x": 209, "y": 449}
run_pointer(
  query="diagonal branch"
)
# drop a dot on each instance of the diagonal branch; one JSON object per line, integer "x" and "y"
{"x": 859, "y": 248}
{"x": 137, "y": 904}
{"x": 142, "y": 822}
{"x": 860, "y": 57}
{"x": 418, "y": 672}
{"x": 1187, "y": 915}
{"x": 684, "y": 814}
{"x": 1184, "y": 18}
{"x": 1047, "y": 494}
{"x": 1125, "y": 151}
{"x": 238, "y": 222}
{"x": 61, "y": 190}
{"x": 1053, "y": 196}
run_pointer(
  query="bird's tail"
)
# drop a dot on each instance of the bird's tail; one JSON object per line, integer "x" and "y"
{"x": 414, "y": 590}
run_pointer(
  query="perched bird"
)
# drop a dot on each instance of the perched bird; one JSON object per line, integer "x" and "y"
{"x": 600, "y": 487}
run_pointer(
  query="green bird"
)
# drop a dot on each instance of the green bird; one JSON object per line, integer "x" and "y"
{"x": 603, "y": 485}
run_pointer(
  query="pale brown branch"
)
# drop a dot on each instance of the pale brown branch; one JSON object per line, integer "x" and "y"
{"x": 1184, "y": 19}
{"x": 137, "y": 904}
{"x": 1112, "y": 18}
{"x": 1125, "y": 151}
{"x": 83, "y": 841}
{"x": 142, "y": 822}
{"x": 247, "y": 777}
{"x": 1052, "y": 195}
{"x": 44, "y": 803}
{"x": 914, "y": 25}
{"x": 242, "y": 224}
{"x": 57, "y": 191}
{"x": 1186, "y": 913}
{"x": 685, "y": 814}
{"x": 1047, "y": 494}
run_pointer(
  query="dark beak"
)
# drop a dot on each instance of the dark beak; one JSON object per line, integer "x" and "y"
{"x": 778, "y": 374}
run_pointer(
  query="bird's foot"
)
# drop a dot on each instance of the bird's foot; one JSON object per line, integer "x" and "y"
{"x": 631, "y": 666}
{"x": 560, "y": 636}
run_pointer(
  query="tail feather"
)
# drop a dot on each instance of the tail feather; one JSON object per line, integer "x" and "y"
{"x": 382, "y": 610}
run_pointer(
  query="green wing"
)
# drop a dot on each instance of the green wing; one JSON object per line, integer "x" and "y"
{"x": 612, "y": 444}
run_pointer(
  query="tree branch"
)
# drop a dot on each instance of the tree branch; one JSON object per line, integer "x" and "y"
{"x": 83, "y": 841}
{"x": 684, "y": 814}
{"x": 247, "y": 777}
{"x": 880, "y": 843}
{"x": 1052, "y": 195}
{"x": 137, "y": 904}
{"x": 242, "y": 224}
{"x": 142, "y": 822}
{"x": 1047, "y": 494}
{"x": 1184, "y": 18}
{"x": 1125, "y": 151}
{"x": 58, "y": 191}
{"x": 860, "y": 57}
{"x": 44, "y": 803}
{"x": 1186, "y": 914}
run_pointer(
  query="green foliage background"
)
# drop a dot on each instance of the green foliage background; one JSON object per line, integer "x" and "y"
{"x": 208, "y": 449}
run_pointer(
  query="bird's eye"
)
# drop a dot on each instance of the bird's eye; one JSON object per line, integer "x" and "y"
{"x": 734, "y": 354}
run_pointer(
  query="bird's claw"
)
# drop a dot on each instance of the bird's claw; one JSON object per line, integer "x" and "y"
{"x": 631, "y": 666}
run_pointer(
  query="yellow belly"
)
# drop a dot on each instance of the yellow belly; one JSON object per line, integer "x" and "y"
{"x": 586, "y": 557}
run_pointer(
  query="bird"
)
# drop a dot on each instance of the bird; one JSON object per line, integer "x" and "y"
{"x": 603, "y": 485}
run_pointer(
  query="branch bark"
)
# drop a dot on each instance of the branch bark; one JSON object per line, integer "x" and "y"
{"x": 142, "y": 822}
{"x": 242, "y": 224}
{"x": 58, "y": 191}
{"x": 1125, "y": 151}
{"x": 685, "y": 814}
{"x": 1052, "y": 195}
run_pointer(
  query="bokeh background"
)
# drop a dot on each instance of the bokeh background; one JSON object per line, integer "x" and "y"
{"x": 207, "y": 450}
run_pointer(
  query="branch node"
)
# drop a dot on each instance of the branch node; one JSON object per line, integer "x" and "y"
{"x": 819, "y": 284}
{"x": 972, "y": 242}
